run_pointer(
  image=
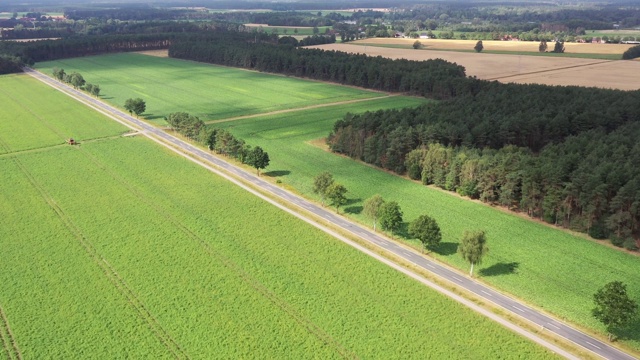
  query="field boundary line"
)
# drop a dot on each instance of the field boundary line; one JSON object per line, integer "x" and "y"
{"x": 276, "y": 112}
{"x": 109, "y": 271}
{"x": 550, "y": 70}
{"x": 314, "y": 329}
{"x": 9, "y": 344}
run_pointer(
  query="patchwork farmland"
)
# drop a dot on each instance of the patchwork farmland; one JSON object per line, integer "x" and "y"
{"x": 514, "y": 64}
{"x": 117, "y": 247}
{"x": 549, "y": 268}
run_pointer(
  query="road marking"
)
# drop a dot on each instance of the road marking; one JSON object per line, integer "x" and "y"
{"x": 553, "y": 326}
{"x": 486, "y": 293}
{"x": 431, "y": 266}
{"x": 456, "y": 278}
{"x": 594, "y": 345}
{"x": 517, "y": 308}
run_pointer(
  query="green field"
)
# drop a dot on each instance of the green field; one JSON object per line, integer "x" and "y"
{"x": 120, "y": 248}
{"x": 547, "y": 267}
{"x": 550, "y": 268}
{"x": 208, "y": 91}
{"x": 42, "y": 117}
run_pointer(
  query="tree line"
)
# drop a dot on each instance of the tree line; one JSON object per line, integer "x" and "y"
{"x": 565, "y": 155}
{"x": 219, "y": 140}
{"x": 434, "y": 78}
{"x": 76, "y": 80}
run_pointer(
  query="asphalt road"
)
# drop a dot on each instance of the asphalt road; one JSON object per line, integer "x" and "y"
{"x": 545, "y": 322}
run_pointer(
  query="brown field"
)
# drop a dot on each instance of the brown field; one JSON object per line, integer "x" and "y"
{"x": 616, "y": 74}
{"x": 516, "y": 46}
{"x": 158, "y": 53}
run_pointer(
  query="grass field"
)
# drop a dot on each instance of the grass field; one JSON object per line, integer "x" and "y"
{"x": 43, "y": 117}
{"x": 547, "y": 267}
{"x": 120, "y": 248}
{"x": 550, "y": 268}
{"x": 208, "y": 91}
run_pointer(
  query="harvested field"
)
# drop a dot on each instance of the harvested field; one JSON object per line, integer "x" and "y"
{"x": 623, "y": 75}
{"x": 163, "y": 53}
{"x": 516, "y": 46}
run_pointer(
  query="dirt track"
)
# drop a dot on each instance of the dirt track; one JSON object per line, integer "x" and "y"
{"x": 615, "y": 74}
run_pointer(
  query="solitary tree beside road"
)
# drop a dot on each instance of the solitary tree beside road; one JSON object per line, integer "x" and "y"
{"x": 321, "y": 183}
{"x": 473, "y": 247}
{"x": 337, "y": 194}
{"x": 257, "y": 158}
{"x": 425, "y": 229}
{"x": 371, "y": 208}
{"x": 136, "y": 106}
{"x": 614, "y": 308}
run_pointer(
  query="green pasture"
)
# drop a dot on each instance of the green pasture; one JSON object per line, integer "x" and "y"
{"x": 549, "y": 268}
{"x": 41, "y": 116}
{"x": 208, "y": 91}
{"x": 122, "y": 249}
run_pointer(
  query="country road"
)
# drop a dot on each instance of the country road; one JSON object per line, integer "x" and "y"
{"x": 482, "y": 291}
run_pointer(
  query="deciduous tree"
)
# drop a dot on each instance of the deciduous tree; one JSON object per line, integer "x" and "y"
{"x": 614, "y": 308}
{"x": 371, "y": 208}
{"x": 426, "y": 229}
{"x": 336, "y": 193}
{"x": 257, "y": 158}
{"x": 136, "y": 106}
{"x": 321, "y": 183}
{"x": 390, "y": 216}
{"x": 543, "y": 46}
{"x": 479, "y": 47}
{"x": 473, "y": 246}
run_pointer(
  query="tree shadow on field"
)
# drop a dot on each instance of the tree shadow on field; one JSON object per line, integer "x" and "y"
{"x": 153, "y": 117}
{"x": 500, "y": 269}
{"x": 353, "y": 209}
{"x": 447, "y": 248}
{"x": 631, "y": 332}
{"x": 106, "y": 97}
{"x": 276, "y": 173}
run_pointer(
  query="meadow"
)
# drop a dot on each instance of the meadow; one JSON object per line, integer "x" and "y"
{"x": 547, "y": 267}
{"x": 121, "y": 248}
{"x": 207, "y": 91}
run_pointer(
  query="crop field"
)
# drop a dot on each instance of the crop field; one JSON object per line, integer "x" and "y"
{"x": 549, "y": 70}
{"x": 43, "y": 117}
{"x": 208, "y": 91}
{"x": 546, "y": 267}
{"x": 120, "y": 248}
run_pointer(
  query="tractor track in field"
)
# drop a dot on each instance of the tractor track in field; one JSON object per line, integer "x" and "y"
{"x": 9, "y": 344}
{"x": 499, "y": 78}
{"x": 282, "y": 304}
{"x": 276, "y": 112}
{"x": 108, "y": 270}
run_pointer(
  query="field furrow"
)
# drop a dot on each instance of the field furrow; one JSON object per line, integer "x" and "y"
{"x": 311, "y": 327}
{"x": 113, "y": 276}
{"x": 9, "y": 345}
